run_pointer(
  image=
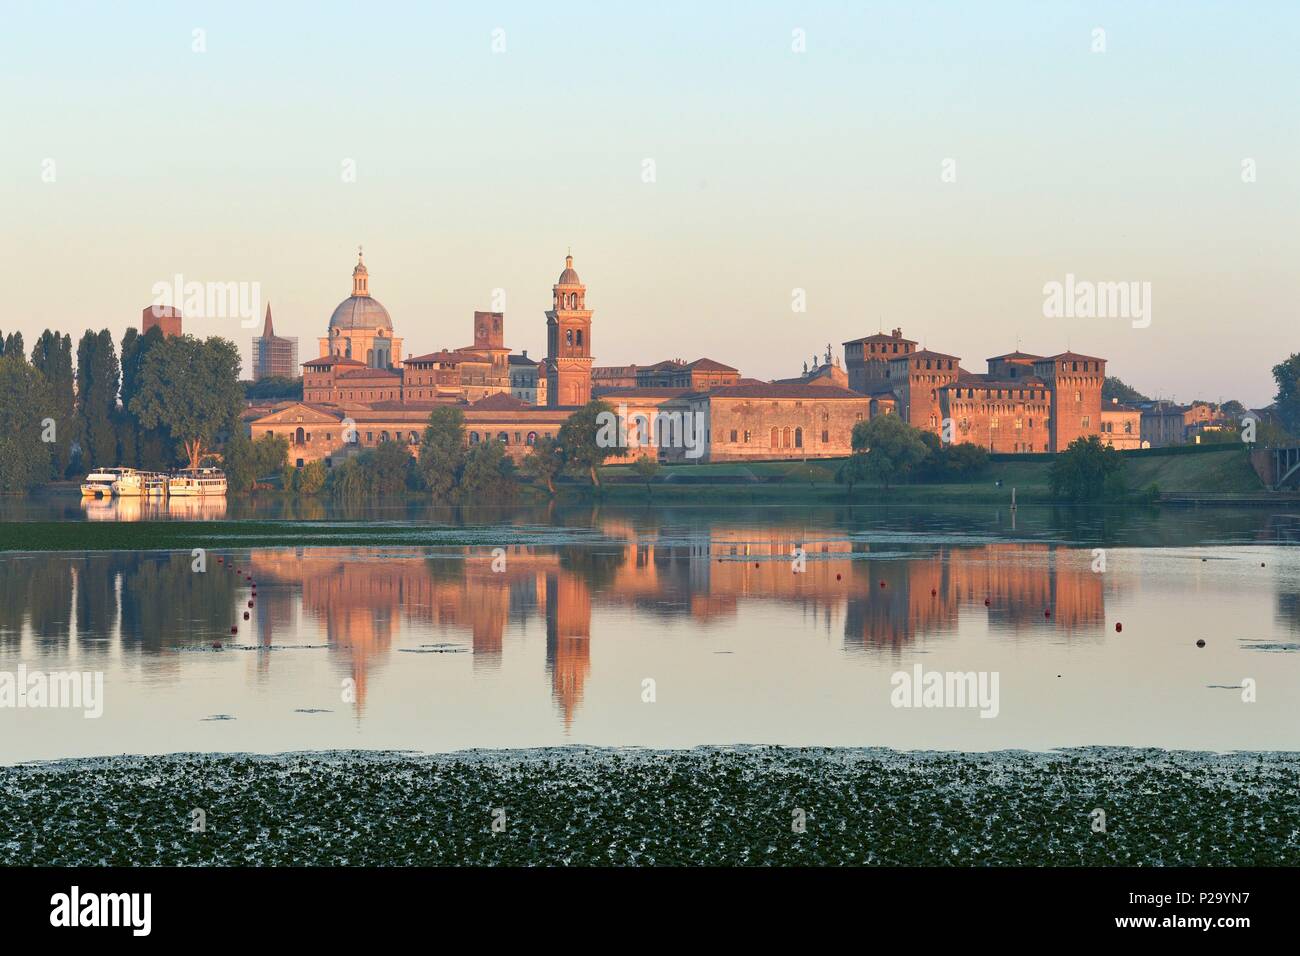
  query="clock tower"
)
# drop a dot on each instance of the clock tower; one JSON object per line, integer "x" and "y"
{"x": 568, "y": 341}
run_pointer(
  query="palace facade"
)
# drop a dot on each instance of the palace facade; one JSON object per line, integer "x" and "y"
{"x": 1023, "y": 403}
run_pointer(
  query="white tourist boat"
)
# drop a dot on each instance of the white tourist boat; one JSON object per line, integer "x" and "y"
{"x": 197, "y": 482}
{"x": 99, "y": 483}
{"x": 130, "y": 484}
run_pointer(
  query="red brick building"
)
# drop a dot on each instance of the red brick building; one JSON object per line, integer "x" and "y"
{"x": 163, "y": 317}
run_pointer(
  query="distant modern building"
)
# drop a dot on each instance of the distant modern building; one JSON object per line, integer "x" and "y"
{"x": 163, "y": 317}
{"x": 274, "y": 356}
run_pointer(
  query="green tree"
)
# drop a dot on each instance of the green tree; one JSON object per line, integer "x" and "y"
{"x": 98, "y": 378}
{"x": 311, "y": 478}
{"x": 52, "y": 357}
{"x": 960, "y": 461}
{"x": 892, "y": 448}
{"x": 585, "y": 439}
{"x": 544, "y": 462}
{"x": 1087, "y": 471}
{"x": 646, "y": 468}
{"x": 24, "y": 401}
{"x": 14, "y": 344}
{"x": 273, "y": 388}
{"x": 239, "y": 464}
{"x": 191, "y": 388}
{"x": 442, "y": 450}
{"x": 853, "y": 471}
{"x": 154, "y": 449}
{"x": 389, "y": 466}
{"x": 1112, "y": 387}
{"x": 489, "y": 474}
{"x": 1287, "y": 376}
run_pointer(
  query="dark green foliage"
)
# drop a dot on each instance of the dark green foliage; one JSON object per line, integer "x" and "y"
{"x": 1113, "y": 388}
{"x": 544, "y": 462}
{"x": 488, "y": 476}
{"x": 442, "y": 451}
{"x": 580, "y": 439}
{"x": 191, "y": 388}
{"x": 273, "y": 388}
{"x": 891, "y": 448}
{"x": 52, "y": 357}
{"x": 1087, "y": 471}
{"x": 657, "y": 808}
{"x": 951, "y": 463}
{"x": 25, "y": 401}
{"x": 98, "y": 379}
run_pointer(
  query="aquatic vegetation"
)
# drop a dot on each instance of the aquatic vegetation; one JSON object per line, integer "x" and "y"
{"x": 724, "y": 806}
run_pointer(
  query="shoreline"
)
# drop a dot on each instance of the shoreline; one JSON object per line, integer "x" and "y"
{"x": 588, "y": 806}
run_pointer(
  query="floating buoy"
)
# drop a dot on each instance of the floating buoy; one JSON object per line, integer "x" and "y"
{"x": 234, "y": 630}
{"x": 250, "y": 603}
{"x": 1261, "y": 564}
{"x": 882, "y": 584}
{"x": 986, "y": 602}
{"x": 1200, "y": 643}
{"x": 216, "y": 645}
{"x": 933, "y": 592}
{"x": 221, "y": 560}
{"x": 837, "y": 577}
{"x": 755, "y": 564}
{"x": 245, "y": 615}
{"x": 1047, "y": 612}
{"x": 1118, "y": 627}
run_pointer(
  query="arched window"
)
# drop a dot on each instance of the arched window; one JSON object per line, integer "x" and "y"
{"x": 568, "y": 336}
{"x": 297, "y": 437}
{"x": 473, "y": 438}
{"x": 532, "y": 438}
{"x": 776, "y": 438}
{"x": 785, "y": 437}
{"x": 798, "y": 438}
{"x": 579, "y": 338}
{"x": 504, "y": 438}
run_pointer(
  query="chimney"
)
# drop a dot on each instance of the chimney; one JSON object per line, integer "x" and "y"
{"x": 525, "y": 353}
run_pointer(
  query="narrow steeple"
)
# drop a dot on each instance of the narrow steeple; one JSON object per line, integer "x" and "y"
{"x": 268, "y": 330}
{"x": 360, "y": 277}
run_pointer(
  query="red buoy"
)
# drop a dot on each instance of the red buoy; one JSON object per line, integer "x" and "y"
{"x": 1047, "y": 613}
{"x": 234, "y": 630}
{"x": 245, "y": 615}
{"x": 1118, "y": 627}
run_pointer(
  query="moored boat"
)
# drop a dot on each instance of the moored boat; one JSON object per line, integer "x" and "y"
{"x": 197, "y": 482}
{"x": 99, "y": 483}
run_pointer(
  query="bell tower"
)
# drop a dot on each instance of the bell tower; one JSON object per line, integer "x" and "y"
{"x": 568, "y": 341}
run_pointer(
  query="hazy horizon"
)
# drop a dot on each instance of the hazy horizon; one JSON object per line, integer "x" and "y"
{"x": 476, "y": 169}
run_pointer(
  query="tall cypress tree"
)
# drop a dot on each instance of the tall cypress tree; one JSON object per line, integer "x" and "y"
{"x": 153, "y": 447}
{"x": 52, "y": 357}
{"x": 98, "y": 376}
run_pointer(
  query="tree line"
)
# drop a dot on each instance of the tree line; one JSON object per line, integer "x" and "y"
{"x": 154, "y": 404}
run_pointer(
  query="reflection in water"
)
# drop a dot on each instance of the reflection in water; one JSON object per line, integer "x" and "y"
{"x": 143, "y": 508}
{"x": 652, "y": 600}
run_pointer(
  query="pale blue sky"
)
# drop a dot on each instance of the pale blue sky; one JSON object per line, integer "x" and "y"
{"x": 775, "y": 171}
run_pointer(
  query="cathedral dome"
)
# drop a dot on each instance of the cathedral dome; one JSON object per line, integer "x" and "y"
{"x": 360, "y": 312}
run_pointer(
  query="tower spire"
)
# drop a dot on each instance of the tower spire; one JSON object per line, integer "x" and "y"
{"x": 268, "y": 330}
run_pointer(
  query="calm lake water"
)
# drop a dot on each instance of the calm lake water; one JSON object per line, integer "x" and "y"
{"x": 552, "y": 639}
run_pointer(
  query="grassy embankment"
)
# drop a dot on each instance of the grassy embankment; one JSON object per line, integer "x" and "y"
{"x": 1216, "y": 469}
{"x": 712, "y": 806}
